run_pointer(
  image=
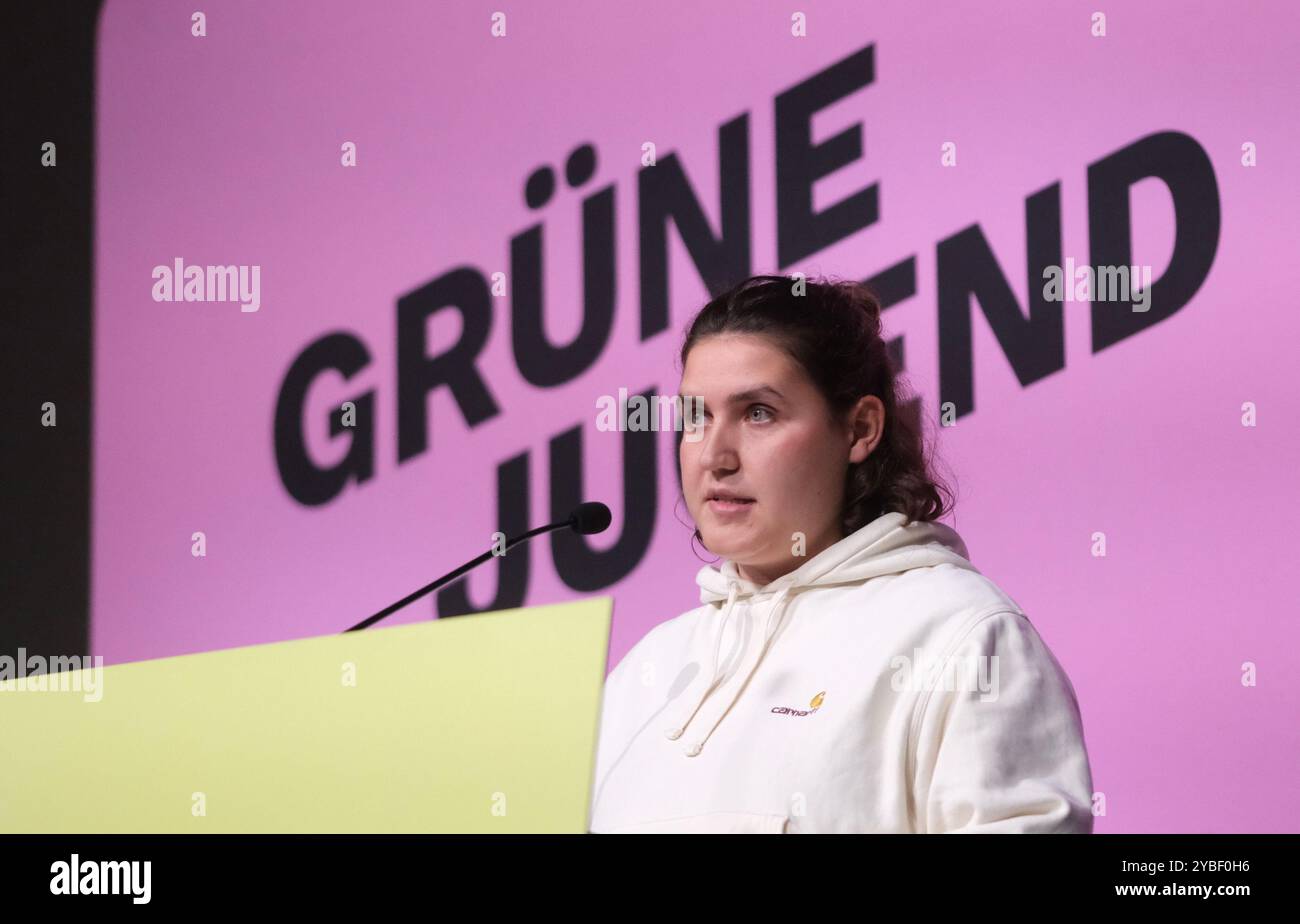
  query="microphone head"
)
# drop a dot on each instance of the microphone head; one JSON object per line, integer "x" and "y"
{"x": 591, "y": 517}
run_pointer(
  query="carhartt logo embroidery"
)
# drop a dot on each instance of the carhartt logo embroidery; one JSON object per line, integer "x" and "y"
{"x": 813, "y": 706}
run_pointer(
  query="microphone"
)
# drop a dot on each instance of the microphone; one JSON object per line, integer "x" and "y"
{"x": 586, "y": 519}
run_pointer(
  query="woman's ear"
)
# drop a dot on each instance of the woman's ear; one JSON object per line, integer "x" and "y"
{"x": 866, "y": 427}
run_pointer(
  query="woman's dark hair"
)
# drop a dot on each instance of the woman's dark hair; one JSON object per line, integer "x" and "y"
{"x": 832, "y": 328}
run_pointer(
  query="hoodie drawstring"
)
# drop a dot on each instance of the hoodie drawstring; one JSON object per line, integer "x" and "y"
{"x": 770, "y": 627}
{"x": 676, "y": 730}
{"x": 717, "y": 648}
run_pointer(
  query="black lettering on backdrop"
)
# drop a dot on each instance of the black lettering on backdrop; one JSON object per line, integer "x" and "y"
{"x": 1183, "y": 166}
{"x": 894, "y": 285}
{"x": 965, "y": 267}
{"x": 801, "y": 232}
{"x": 664, "y": 194}
{"x": 464, "y": 290}
{"x": 575, "y": 562}
{"x": 513, "y": 505}
{"x": 539, "y": 362}
{"x": 306, "y": 482}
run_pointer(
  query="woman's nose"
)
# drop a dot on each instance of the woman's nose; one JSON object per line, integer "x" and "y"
{"x": 718, "y": 450}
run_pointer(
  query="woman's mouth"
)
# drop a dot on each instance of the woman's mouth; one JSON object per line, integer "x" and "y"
{"x": 730, "y": 505}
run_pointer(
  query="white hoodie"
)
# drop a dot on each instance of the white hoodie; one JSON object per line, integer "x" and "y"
{"x": 816, "y": 704}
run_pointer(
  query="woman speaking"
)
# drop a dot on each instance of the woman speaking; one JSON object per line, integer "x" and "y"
{"x": 848, "y": 669}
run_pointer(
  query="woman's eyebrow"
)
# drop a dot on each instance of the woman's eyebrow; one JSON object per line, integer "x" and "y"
{"x": 749, "y": 394}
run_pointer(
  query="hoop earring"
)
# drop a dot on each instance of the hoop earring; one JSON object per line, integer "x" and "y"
{"x": 696, "y": 535}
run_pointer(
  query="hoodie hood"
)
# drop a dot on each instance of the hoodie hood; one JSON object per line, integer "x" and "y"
{"x": 883, "y": 546}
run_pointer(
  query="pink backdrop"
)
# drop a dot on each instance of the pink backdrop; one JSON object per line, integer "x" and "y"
{"x": 226, "y": 150}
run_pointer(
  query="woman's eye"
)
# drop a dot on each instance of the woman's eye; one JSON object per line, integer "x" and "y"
{"x": 760, "y": 407}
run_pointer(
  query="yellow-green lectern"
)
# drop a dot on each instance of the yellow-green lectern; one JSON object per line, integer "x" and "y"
{"x": 479, "y": 723}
